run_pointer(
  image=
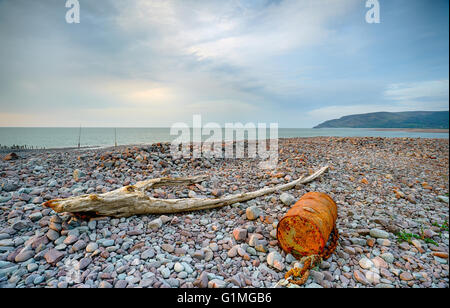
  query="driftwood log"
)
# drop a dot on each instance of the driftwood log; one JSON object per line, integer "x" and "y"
{"x": 132, "y": 199}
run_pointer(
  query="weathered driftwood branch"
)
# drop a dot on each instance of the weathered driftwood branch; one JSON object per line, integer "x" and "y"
{"x": 158, "y": 182}
{"x": 132, "y": 200}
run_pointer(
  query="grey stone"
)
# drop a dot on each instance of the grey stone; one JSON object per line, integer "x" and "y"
{"x": 287, "y": 199}
{"x": 32, "y": 267}
{"x": 155, "y": 224}
{"x": 35, "y": 216}
{"x": 165, "y": 272}
{"x": 313, "y": 286}
{"x": 272, "y": 257}
{"x": 121, "y": 284}
{"x": 83, "y": 263}
{"x": 24, "y": 256}
{"x": 377, "y": 233}
{"x": 105, "y": 285}
{"x": 253, "y": 212}
{"x": 108, "y": 243}
{"x": 20, "y": 225}
{"x": 52, "y": 235}
{"x": 79, "y": 245}
{"x": 174, "y": 283}
{"x": 147, "y": 254}
{"x": 388, "y": 257}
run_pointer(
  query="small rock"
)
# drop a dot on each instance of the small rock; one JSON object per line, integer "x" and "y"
{"x": 174, "y": 283}
{"x": 108, "y": 243}
{"x": 202, "y": 281}
{"x": 388, "y": 257}
{"x": 53, "y": 256}
{"x": 240, "y": 234}
{"x": 232, "y": 252}
{"x": 253, "y": 212}
{"x": 287, "y": 199}
{"x": 379, "y": 262}
{"x": 365, "y": 263}
{"x": 79, "y": 245}
{"x": 155, "y": 224}
{"x": 165, "y": 272}
{"x": 168, "y": 247}
{"x": 418, "y": 245}
{"x": 105, "y": 285}
{"x": 52, "y": 235}
{"x": 91, "y": 247}
{"x": 20, "y": 225}
{"x": 70, "y": 239}
{"x": 77, "y": 174}
{"x": 11, "y": 156}
{"x": 384, "y": 242}
{"x": 313, "y": 285}
{"x": 443, "y": 255}
{"x": 254, "y": 239}
{"x": 360, "y": 277}
{"x": 32, "y": 267}
{"x": 147, "y": 254}
{"x": 84, "y": 263}
{"x": 406, "y": 276}
{"x": 178, "y": 267}
{"x": 24, "y": 256}
{"x": 92, "y": 224}
{"x": 272, "y": 256}
{"x": 121, "y": 284}
{"x": 216, "y": 283}
{"x": 35, "y": 216}
{"x": 372, "y": 277}
{"x": 377, "y": 233}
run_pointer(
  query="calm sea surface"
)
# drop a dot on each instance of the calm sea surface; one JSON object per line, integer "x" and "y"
{"x": 68, "y": 137}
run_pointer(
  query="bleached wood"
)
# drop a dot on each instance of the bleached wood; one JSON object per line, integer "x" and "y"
{"x": 132, "y": 200}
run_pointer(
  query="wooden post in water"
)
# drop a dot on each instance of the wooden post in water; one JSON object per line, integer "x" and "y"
{"x": 79, "y": 137}
{"x": 115, "y": 137}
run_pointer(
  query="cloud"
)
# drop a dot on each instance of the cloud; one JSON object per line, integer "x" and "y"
{"x": 425, "y": 95}
{"x": 428, "y": 94}
{"x": 151, "y": 63}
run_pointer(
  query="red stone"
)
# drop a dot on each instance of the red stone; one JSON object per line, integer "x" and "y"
{"x": 53, "y": 256}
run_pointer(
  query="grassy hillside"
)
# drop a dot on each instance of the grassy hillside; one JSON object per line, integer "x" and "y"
{"x": 408, "y": 119}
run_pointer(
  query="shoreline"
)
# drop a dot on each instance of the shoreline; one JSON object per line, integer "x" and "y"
{"x": 413, "y": 130}
{"x": 112, "y": 147}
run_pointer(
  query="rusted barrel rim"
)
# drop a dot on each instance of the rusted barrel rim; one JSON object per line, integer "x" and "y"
{"x": 312, "y": 219}
{"x": 293, "y": 252}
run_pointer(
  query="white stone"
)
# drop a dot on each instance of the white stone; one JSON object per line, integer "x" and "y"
{"x": 377, "y": 233}
{"x": 178, "y": 267}
{"x": 365, "y": 263}
{"x": 272, "y": 256}
{"x": 155, "y": 224}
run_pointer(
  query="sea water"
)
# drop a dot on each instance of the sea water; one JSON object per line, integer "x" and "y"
{"x": 68, "y": 137}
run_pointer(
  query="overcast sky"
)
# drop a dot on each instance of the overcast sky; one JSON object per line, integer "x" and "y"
{"x": 152, "y": 63}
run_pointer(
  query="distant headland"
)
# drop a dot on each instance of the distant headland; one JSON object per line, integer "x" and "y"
{"x": 392, "y": 120}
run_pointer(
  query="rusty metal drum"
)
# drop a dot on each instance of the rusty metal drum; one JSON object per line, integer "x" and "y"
{"x": 306, "y": 227}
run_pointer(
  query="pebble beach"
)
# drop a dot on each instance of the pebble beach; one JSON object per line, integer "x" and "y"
{"x": 391, "y": 193}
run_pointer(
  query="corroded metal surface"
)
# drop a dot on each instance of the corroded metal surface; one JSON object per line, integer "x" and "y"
{"x": 306, "y": 227}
